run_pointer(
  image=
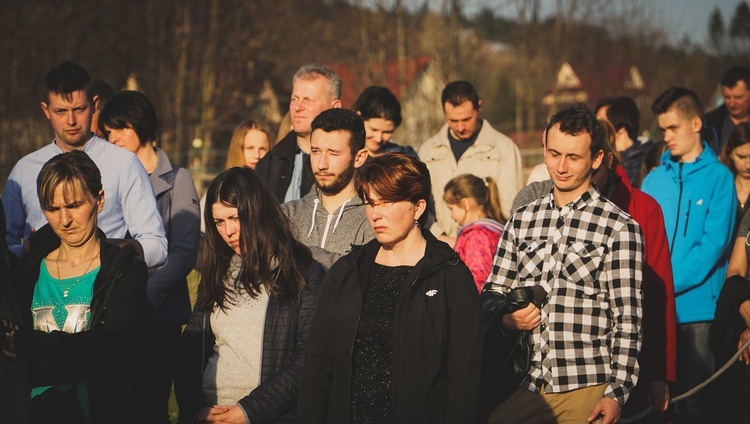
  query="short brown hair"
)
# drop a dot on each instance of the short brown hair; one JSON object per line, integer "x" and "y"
{"x": 394, "y": 177}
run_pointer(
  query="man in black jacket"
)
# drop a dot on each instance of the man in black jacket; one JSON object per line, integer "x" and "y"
{"x": 286, "y": 168}
{"x": 735, "y": 88}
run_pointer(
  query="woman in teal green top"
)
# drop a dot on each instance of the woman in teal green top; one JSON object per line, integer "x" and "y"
{"x": 86, "y": 303}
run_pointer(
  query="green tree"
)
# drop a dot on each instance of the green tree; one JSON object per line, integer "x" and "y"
{"x": 739, "y": 31}
{"x": 716, "y": 31}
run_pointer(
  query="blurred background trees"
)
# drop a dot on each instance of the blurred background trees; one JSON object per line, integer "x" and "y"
{"x": 209, "y": 64}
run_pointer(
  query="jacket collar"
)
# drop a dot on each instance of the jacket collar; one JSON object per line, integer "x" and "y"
{"x": 438, "y": 255}
{"x": 162, "y": 177}
{"x": 579, "y": 203}
{"x": 287, "y": 146}
{"x": 86, "y": 147}
{"x": 706, "y": 158}
{"x": 482, "y": 140}
{"x": 623, "y": 192}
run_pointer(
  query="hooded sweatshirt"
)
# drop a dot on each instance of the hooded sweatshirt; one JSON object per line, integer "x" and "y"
{"x": 328, "y": 235}
{"x": 699, "y": 204}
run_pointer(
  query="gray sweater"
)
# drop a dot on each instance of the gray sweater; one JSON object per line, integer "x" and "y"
{"x": 329, "y": 236}
{"x": 530, "y": 193}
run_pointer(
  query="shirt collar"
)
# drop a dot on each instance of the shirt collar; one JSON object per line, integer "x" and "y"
{"x": 86, "y": 147}
{"x": 579, "y": 203}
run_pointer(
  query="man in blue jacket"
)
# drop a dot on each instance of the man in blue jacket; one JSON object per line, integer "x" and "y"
{"x": 697, "y": 196}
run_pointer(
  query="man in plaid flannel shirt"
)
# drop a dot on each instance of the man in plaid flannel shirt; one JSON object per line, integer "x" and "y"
{"x": 587, "y": 254}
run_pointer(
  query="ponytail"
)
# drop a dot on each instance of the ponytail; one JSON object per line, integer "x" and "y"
{"x": 483, "y": 190}
{"x": 491, "y": 203}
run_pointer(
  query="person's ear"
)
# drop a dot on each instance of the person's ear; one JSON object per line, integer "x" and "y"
{"x": 479, "y": 106}
{"x": 420, "y": 208}
{"x": 465, "y": 204}
{"x": 598, "y": 159}
{"x": 100, "y": 201}
{"x": 336, "y": 104}
{"x": 696, "y": 123}
{"x": 95, "y": 103}
{"x": 45, "y": 109}
{"x": 360, "y": 158}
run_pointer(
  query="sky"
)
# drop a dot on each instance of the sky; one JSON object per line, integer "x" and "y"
{"x": 679, "y": 17}
{"x": 690, "y": 17}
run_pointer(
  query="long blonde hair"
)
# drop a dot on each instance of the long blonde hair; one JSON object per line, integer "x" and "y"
{"x": 235, "y": 154}
{"x": 483, "y": 190}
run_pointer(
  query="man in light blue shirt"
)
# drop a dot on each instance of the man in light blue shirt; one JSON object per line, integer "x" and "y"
{"x": 129, "y": 202}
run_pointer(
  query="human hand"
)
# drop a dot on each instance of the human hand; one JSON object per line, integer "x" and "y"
{"x": 744, "y": 337}
{"x": 200, "y": 417}
{"x": 745, "y": 312}
{"x": 524, "y": 319}
{"x": 230, "y": 414}
{"x": 606, "y": 411}
{"x": 659, "y": 391}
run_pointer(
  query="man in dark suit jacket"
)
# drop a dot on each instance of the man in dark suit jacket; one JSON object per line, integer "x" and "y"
{"x": 286, "y": 168}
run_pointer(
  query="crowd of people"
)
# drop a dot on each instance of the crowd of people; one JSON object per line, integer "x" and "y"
{"x": 345, "y": 278}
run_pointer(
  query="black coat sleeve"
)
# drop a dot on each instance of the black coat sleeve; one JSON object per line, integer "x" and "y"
{"x": 464, "y": 346}
{"x": 277, "y": 395}
{"x": 196, "y": 345}
{"x": 317, "y": 373}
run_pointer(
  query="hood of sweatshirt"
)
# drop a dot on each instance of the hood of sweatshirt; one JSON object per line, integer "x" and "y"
{"x": 335, "y": 231}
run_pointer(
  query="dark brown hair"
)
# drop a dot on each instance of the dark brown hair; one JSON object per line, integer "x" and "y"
{"x": 271, "y": 256}
{"x": 738, "y": 137}
{"x": 394, "y": 177}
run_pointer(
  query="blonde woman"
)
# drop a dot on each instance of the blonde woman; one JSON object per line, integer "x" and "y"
{"x": 251, "y": 140}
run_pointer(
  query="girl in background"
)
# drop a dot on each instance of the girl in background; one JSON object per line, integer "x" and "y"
{"x": 475, "y": 205}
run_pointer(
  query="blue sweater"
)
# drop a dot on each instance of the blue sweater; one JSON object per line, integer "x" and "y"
{"x": 129, "y": 202}
{"x": 700, "y": 206}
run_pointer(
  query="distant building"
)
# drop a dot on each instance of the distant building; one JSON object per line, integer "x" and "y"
{"x": 577, "y": 83}
{"x": 420, "y": 99}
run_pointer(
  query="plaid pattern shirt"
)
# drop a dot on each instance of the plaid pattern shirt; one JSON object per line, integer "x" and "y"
{"x": 587, "y": 255}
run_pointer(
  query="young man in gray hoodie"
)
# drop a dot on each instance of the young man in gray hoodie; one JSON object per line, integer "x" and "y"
{"x": 331, "y": 217}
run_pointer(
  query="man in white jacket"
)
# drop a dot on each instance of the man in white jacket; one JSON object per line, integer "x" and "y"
{"x": 468, "y": 144}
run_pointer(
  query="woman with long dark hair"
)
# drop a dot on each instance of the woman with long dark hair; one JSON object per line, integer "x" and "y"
{"x": 241, "y": 353}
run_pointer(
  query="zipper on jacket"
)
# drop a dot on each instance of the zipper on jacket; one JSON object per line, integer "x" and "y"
{"x": 351, "y": 361}
{"x": 679, "y": 204}
{"x": 687, "y": 219}
{"x": 109, "y": 286}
